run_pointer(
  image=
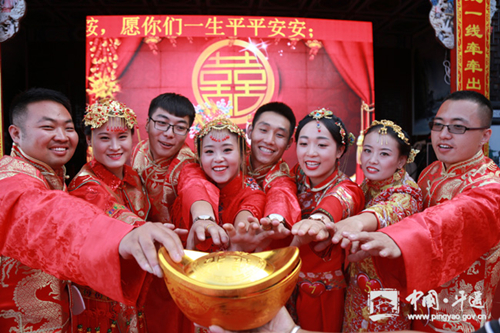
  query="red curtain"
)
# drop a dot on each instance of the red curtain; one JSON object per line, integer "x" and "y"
{"x": 354, "y": 61}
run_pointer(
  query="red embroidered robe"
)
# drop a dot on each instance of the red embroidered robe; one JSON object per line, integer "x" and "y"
{"x": 319, "y": 297}
{"x": 235, "y": 197}
{"x": 451, "y": 249}
{"x": 165, "y": 180}
{"x": 280, "y": 189}
{"x": 238, "y": 196}
{"x": 48, "y": 237}
{"x": 126, "y": 200}
{"x": 281, "y": 194}
{"x": 390, "y": 201}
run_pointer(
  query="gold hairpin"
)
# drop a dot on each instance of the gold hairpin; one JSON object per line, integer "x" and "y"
{"x": 411, "y": 156}
{"x": 396, "y": 128}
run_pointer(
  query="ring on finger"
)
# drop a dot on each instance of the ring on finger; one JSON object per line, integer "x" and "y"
{"x": 209, "y": 225}
{"x": 266, "y": 227}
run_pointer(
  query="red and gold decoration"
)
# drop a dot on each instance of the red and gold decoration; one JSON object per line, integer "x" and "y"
{"x": 237, "y": 71}
{"x": 102, "y": 79}
{"x": 473, "y": 45}
{"x": 314, "y": 46}
{"x": 117, "y": 114}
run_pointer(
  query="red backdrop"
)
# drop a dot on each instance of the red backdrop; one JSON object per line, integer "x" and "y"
{"x": 248, "y": 61}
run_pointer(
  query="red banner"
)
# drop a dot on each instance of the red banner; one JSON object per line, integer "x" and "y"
{"x": 473, "y": 45}
{"x": 227, "y": 26}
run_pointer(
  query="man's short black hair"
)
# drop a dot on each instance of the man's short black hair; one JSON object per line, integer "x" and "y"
{"x": 279, "y": 108}
{"x": 478, "y": 98}
{"x": 20, "y": 103}
{"x": 173, "y": 103}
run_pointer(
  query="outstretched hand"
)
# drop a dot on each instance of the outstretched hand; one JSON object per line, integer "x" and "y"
{"x": 244, "y": 236}
{"x": 307, "y": 231}
{"x": 349, "y": 225}
{"x": 140, "y": 245}
{"x": 372, "y": 244}
{"x": 279, "y": 228}
{"x": 203, "y": 228}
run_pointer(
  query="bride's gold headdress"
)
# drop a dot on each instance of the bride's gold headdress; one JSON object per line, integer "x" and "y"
{"x": 215, "y": 122}
{"x": 118, "y": 116}
{"x": 399, "y": 132}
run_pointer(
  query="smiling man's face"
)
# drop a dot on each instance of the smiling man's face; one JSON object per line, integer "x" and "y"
{"x": 46, "y": 133}
{"x": 165, "y": 144}
{"x": 454, "y": 148}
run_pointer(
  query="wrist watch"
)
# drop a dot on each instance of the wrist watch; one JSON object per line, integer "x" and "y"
{"x": 278, "y": 217}
{"x": 204, "y": 217}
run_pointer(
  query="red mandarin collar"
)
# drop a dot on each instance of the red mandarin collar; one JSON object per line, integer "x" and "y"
{"x": 325, "y": 183}
{"x": 54, "y": 177}
{"x": 464, "y": 166}
{"x": 260, "y": 171}
{"x": 378, "y": 184}
{"x": 109, "y": 178}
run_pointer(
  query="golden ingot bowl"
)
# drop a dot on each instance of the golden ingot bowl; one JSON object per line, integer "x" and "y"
{"x": 235, "y": 290}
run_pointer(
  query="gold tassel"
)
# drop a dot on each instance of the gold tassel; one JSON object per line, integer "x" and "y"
{"x": 359, "y": 143}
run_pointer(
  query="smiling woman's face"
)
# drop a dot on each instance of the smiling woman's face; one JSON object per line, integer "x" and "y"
{"x": 220, "y": 156}
{"x": 112, "y": 148}
{"x": 317, "y": 152}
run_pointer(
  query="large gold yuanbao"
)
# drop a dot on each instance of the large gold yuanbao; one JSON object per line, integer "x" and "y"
{"x": 235, "y": 290}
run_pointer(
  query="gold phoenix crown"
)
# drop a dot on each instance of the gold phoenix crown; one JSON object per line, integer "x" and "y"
{"x": 105, "y": 110}
{"x": 219, "y": 123}
{"x": 399, "y": 132}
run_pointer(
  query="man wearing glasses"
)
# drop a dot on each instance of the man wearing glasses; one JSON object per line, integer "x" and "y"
{"x": 169, "y": 168}
{"x": 448, "y": 256}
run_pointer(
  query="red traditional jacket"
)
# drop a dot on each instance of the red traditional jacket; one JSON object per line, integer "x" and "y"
{"x": 38, "y": 231}
{"x": 126, "y": 200}
{"x": 280, "y": 189}
{"x": 320, "y": 297}
{"x": 390, "y": 201}
{"x": 459, "y": 232}
{"x": 240, "y": 195}
{"x": 165, "y": 179}
{"x": 237, "y": 196}
{"x": 173, "y": 185}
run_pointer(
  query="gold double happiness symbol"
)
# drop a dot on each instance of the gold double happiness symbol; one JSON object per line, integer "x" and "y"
{"x": 236, "y": 71}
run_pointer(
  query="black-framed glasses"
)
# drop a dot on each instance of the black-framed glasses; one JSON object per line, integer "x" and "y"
{"x": 454, "y": 129}
{"x": 163, "y": 126}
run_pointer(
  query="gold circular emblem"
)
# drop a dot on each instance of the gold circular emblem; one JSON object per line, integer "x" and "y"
{"x": 236, "y": 71}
